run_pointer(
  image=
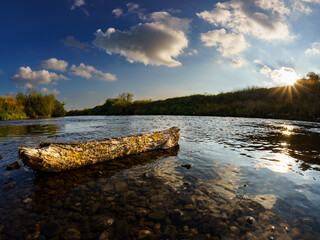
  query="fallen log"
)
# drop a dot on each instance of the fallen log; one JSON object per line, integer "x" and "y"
{"x": 57, "y": 157}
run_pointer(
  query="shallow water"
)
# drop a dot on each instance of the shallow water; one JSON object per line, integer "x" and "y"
{"x": 241, "y": 168}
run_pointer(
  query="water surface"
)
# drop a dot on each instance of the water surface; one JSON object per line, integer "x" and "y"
{"x": 241, "y": 168}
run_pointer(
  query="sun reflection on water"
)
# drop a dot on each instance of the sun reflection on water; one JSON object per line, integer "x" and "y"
{"x": 276, "y": 162}
{"x": 288, "y": 130}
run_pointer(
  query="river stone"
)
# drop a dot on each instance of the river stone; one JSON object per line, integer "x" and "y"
{"x": 11, "y": 185}
{"x": 157, "y": 215}
{"x": 101, "y": 223}
{"x": 170, "y": 230}
{"x": 121, "y": 186}
{"x": 93, "y": 208}
{"x": 105, "y": 235}
{"x": 142, "y": 234}
{"x": 72, "y": 234}
{"x": 15, "y": 165}
{"x": 52, "y": 229}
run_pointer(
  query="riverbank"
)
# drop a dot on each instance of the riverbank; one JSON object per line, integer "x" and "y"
{"x": 298, "y": 102}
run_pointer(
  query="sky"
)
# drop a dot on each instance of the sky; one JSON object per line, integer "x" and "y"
{"x": 85, "y": 51}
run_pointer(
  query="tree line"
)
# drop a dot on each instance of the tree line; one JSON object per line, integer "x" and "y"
{"x": 32, "y": 104}
{"x": 300, "y": 101}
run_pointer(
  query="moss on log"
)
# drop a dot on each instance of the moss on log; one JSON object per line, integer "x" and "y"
{"x": 57, "y": 157}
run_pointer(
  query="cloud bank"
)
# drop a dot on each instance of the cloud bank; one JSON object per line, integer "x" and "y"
{"x": 154, "y": 43}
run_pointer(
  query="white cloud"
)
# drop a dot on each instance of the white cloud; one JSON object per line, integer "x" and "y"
{"x": 257, "y": 61}
{"x": 238, "y": 62}
{"x": 77, "y": 3}
{"x": 118, "y": 12}
{"x": 192, "y": 52}
{"x": 90, "y": 72}
{"x": 70, "y": 41}
{"x": 265, "y": 70}
{"x": 262, "y": 19}
{"x": 29, "y": 86}
{"x": 220, "y": 61}
{"x": 25, "y": 74}
{"x": 228, "y": 44}
{"x": 48, "y": 91}
{"x": 315, "y": 50}
{"x": 54, "y": 64}
{"x": 282, "y": 76}
{"x": 155, "y": 43}
{"x": 311, "y": 1}
{"x": 133, "y": 8}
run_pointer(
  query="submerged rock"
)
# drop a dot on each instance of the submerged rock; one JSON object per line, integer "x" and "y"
{"x": 187, "y": 166}
{"x": 52, "y": 229}
{"x": 72, "y": 234}
{"x": 157, "y": 215}
{"x": 15, "y": 165}
{"x": 142, "y": 234}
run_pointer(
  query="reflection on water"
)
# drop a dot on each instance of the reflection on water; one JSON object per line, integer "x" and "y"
{"x": 250, "y": 179}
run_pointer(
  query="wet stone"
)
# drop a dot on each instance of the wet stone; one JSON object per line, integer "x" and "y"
{"x": 9, "y": 186}
{"x": 15, "y": 165}
{"x": 105, "y": 235}
{"x": 93, "y": 208}
{"x": 121, "y": 186}
{"x": 27, "y": 200}
{"x": 250, "y": 221}
{"x": 176, "y": 215}
{"x": 52, "y": 229}
{"x": 187, "y": 166}
{"x": 101, "y": 223}
{"x": 72, "y": 234}
{"x": 157, "y": 215}
{"x": 143, "y": 234}
{"x": 170, "y": 231}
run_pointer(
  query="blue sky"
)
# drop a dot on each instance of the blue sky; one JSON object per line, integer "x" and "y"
{"x": 85, "y": 51}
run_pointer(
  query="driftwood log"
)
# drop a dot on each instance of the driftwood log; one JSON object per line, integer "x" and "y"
{"x": 57, "y": 157}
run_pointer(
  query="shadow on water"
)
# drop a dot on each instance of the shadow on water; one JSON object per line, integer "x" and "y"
{"x": 51, "y": 187}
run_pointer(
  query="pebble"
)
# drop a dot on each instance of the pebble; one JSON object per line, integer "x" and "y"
{"x": 185, "y": 228}
{"x": 142, "y": 234}
{"x": 15, "y": 165}
{"x": 187, "y": 166}
{"x": 121, "y": 186}
{"x": 250, "y": 221}
{"x": 27, "y": 200}
{"x": 170, "y": 230}
{"x": 11, "y": 185}
{"x": 157, "y": 215}
{"x": 157, "y": 227}
{"x": 105, "y": 235}
{"x": 52, "y": 229}
{"x": 72, "y": 234}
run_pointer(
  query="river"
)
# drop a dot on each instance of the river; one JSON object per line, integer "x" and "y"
{"x": 249, "y": 179}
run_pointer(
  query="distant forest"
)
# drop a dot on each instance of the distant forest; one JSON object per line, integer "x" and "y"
{"x": 32, "y": 104}
{"x": 300, "y": 102}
